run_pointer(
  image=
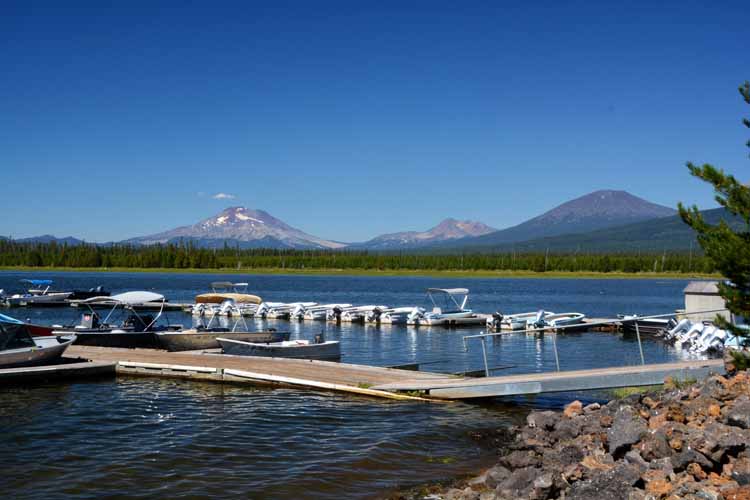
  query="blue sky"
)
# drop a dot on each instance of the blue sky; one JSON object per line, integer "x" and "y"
{"x": 350, "y": 119}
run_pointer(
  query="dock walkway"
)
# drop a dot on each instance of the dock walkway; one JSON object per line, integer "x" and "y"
{"x": 281, "y": 371}
{"x": 563, "y": 381}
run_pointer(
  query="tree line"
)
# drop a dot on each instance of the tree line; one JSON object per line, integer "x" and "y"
{"x": 184, "y": 255}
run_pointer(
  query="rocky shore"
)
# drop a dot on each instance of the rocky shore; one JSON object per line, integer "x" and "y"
{"x": 685, "y": 442}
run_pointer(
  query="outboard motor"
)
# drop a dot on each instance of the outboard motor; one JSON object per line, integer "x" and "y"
{"x": 495, "y": 321}
{"x": 319, "y": 338}
{"x": 334, "y": 314}
{"x": 539, "y": 320}
{"x": 682, "y": 326}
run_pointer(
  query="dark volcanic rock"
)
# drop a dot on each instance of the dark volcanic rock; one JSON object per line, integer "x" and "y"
{"x": 627, "y": 429}
{"x": 685, "y": 458}
{"x": 739, "y": 414}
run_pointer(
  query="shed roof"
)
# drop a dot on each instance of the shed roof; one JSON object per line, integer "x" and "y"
{"x": 702, "y": 287}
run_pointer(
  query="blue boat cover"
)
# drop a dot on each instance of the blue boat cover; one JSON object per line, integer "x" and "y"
{"x": 8, "y": 319}
{"x": 37, "y": 282}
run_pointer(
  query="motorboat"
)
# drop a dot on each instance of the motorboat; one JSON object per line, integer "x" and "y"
{"x": 137, "y": 330}
{"x": 320, "y": 313}
{"x": 515, "y": 322}
{"x": 40, "y": 294}
{"x": 646, "y": 325}
{"x": 318, "y": 349}
{"x": 359, "y": 314}
{"x": 559, "y": 320}
{"x": 393, "y": 316}
{"x": 97, "y": 291}
{"x": 284, "y": 311}
{"x": 19, "y": 348}
{"x": 450, "y": 311}
{"x": 223, "y": 290}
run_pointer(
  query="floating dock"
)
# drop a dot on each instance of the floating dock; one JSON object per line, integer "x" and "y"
{"x": 563, "y": 381}
{"x": 379, "y": 381}
{"x": 70, "y": 369}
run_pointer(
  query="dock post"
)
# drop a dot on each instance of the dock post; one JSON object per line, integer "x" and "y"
{"x": 554, "y": 345}
{"x": 640, "y": 346}
{"x": 484, "y": 355}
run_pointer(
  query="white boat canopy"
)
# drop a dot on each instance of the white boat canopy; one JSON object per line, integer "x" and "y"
{"x": 128, "y": 298}
{"x": 450, "y": 291}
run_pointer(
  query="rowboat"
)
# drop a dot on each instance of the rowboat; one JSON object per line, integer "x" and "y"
{"x": 201, "y": 339}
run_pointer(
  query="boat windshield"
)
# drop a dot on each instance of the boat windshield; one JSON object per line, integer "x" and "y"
{"x": 14, "y": 336}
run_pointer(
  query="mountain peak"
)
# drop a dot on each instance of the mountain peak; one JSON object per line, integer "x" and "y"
{"x": 447, "y": 229}
{"x": 243, "y": 226}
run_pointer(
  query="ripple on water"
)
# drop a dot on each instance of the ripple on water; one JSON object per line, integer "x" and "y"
{"x": 143, "y": 437}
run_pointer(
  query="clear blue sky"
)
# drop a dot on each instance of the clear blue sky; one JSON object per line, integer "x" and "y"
{"x": 350, "y": 119}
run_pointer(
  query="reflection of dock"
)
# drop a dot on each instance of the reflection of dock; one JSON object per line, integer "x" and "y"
{"x": 70, "y": 370}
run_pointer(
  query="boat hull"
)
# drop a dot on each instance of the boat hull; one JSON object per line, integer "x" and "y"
{"x": 328, "y": 351}
{"x": 195, "y": 341}
{"x": 48, "y": 350}
{"x": 128, "y": 340}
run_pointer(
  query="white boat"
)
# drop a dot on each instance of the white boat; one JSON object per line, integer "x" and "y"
{"x": 358, "y": 314}
{"x": 284, "y": 311}
{"x": 392, "y": 316}
{"x": 560, "y": 319}
{"x": 299, "y": 349}
{"x": 452, "y": 313}
{"x": 19, "y": 348}
{"x": 41, "y": 294}
{"x": 515, "y": 322}
{"x": 320, "y": 313}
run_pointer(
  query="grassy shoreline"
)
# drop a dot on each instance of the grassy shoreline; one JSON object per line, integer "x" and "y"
{"x": 374, "y": 272}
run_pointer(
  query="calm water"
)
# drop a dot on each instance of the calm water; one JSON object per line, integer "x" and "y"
{"x": 142, "y": 438}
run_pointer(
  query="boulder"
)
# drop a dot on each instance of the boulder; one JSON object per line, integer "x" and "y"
{"x": 604, "y": 484}
{"x": 627, "y": 429}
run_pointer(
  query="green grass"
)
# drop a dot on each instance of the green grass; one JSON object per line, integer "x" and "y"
{"x": 623, "y": 392}
{"x": 375, "y": 272}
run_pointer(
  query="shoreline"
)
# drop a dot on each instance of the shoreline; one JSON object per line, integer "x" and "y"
{"x": 372, "y": 272}
{"x": 687, "y": 440}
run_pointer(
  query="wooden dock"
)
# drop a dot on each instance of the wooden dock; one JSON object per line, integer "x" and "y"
{"x": 564, "y": 381}
{"x": 208, "y": 365}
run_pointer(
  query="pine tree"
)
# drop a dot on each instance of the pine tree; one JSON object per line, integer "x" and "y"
{"x": 728, "y": 249}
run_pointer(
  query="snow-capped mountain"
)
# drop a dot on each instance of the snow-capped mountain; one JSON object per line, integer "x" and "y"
{"x": 240, "y": 226}
{"x": 449, "y": 229}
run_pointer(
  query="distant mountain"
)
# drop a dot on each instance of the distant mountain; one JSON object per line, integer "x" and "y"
{"x": 48, "y": 238}
{"x": 240, "y": 226}
{"x": 597, "y": 210}
{"x": 449, "y": 229}
{"x": 654, "y": 235}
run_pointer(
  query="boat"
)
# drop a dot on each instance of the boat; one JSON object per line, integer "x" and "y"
{"x": 393, "y": 316}
{"x": 297, "y": 349}
{"x": 515, "y": 322}
{"x": 453, "y": 313}
{"x": 358, "y": 314}
{"x": 320, "y": 313}
{"x": 97, "y": 291}
{"x": 223, "y": 290}
{"x": 284, "y": 310}
{"x": 40, "y": 294}
{"x": 137, "y": 330}
{"x": 646, "y": 325}
{"x": 559, "y": 319}
{"x": 19, "y": 348}
{"x": 200, "y": 339}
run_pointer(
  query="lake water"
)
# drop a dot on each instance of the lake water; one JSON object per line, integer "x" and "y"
{"x": 148, "y": 437}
